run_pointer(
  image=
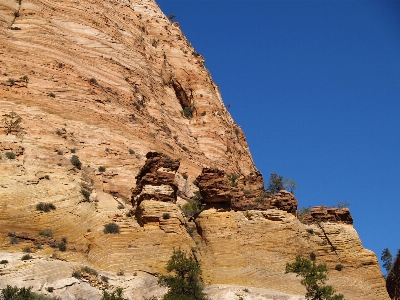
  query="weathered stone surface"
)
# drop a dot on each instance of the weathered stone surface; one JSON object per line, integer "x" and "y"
{"x": 393, "y": 280}
{"x": 324, "y": 214}
{"x": 213, "y": 186}
{"x": 156, "y": 179}
{"x": 101, "y": 87}
{"x": 252, "y": 248}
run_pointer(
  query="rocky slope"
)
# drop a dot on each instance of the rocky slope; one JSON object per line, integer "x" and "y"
{"x": 107, "y": 82}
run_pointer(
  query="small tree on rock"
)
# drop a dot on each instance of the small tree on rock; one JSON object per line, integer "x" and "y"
{"x": 184, "y": 284}
{"x": 12, "y": 121}
{"x": 314, "y": 277}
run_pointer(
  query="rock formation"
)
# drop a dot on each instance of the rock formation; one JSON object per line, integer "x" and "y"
{"x": 324, "y": 214}
{"x": 99, "y": 85}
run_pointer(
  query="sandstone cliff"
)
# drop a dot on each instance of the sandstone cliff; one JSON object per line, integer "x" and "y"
{"x": 107, "y": 82}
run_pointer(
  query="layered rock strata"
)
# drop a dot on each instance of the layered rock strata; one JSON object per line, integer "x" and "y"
{"x": 325, "y": 214}
{"x": 107, "y": 82}
{"x": 236, "y": 192}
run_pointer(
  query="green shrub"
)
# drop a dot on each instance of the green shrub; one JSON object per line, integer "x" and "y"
{"x": 46, "y": 232}
{"x": 166, "y": 216}
{"x": 10, "y": 155}
{"x": 93, "y": 81}
{"x": 62, "y": 246}
{"x": 102, "y": 169}
{"x": 89, "y": 271}
{"x": 339, "y": 267}
{"x": 76, "y": 162}
{"x": 111, "y": 228}
{"x": 14, "y": 240}
{"x": 115, "y": 295}
{"x": 131, "y": 151}
{"x": 232, "y": 179}
{"x": 310, "y": 230}
{"x": 26, "y": 257}
{"x": 3, "y": 262}
{"x": 46, "y": 207}
{"x": 187, "y": 112}
{"x": 86, "y": 194}
{"x": 52, "y": 95}
{"x": 15, "y": 293}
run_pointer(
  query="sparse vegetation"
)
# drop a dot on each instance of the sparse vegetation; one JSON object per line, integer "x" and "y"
{"x": 76, "y": 162}
{"x": 304, "y": 211}
{"x": 166, "y": 216}
{"x": 111, "y": 228}
{"x": 187, "y": 112}
{"x": 62, "y": 246}
{"x": 114, "y": 295}
{"x": 193, "y": 206}
{"x": 247, "y": 214}
{"x": 339, "y": 267}
{"x": 26, "y": 257}
{"x": 46, "y": 232}
{"x": 232, "y": 179}
{"x": 46, "y": 207}
{"x": 27, "y": 250}
{"x": 23, "y": 293}
{"x": 185, "y": 282}
{"x": 276, "y": 183}
{"x": 131, "y": 151}
{"x": 12, "y": 121}
{"x": 314, "y": 277}
{"x": 10, "y": 155}
{"x": 86, "y": 194}
{"x": 102, "y": 169}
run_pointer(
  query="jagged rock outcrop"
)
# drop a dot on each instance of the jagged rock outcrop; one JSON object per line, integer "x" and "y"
{"x": 156, "y": 179}
{"x": 242, "y": 192}
{"x": 393, "y": 279}
{"x": 324, "y": 214}
{"x": 213, "y": 186}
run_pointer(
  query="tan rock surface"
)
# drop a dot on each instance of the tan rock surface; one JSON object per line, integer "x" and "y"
{"x": 107, "y": 81}
{"x": 253, "y": 251}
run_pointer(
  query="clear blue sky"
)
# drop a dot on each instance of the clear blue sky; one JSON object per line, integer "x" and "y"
{"x": 315, "y": 85}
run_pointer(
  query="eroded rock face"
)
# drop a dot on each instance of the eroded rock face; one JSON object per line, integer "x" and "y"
{"x": 243, "y": 192}
{"x": 213, "y": 186}
{"x": 156, "y": 179}
{"x": 393, "y": 280}
{"x": 324, "y": 214}
{"x": 253, "y": 247}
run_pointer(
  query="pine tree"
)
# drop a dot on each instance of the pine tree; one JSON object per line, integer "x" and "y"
{"x": 387, "y": 259}
{"x": 185, "y": 283}
{"x": 314, "y": 277}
